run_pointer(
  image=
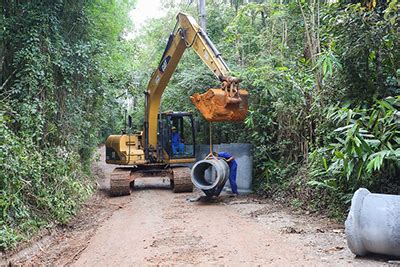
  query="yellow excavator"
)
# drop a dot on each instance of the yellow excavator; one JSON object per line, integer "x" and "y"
{"x": 151, "y": 153}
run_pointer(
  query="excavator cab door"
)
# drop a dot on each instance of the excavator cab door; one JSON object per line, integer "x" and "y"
{"x": 177, "y": 134}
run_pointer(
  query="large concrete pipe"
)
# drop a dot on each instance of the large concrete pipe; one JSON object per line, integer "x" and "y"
{"x": 210, "y": 175}
{"x": 373, "y": 224}
{"x": 243, "y": 156}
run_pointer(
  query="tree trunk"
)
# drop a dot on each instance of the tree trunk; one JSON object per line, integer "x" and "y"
{"x": 203, "y": 15}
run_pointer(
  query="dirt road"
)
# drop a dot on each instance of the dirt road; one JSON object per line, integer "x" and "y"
{"x": 154, "y": 226}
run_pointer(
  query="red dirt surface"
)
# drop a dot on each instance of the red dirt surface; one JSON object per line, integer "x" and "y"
{"x": 154, "y": 226}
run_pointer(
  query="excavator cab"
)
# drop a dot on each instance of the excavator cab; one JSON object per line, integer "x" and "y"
{"x": 176, "y": 135}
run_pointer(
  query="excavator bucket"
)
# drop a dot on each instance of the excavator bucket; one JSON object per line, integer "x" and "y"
{"x": 218, "y": 105}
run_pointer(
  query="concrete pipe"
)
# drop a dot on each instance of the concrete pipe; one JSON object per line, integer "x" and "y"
{"x": 373, "y": 224}
{"x": 210, "y": 175}
{"x": 242, "y": 154}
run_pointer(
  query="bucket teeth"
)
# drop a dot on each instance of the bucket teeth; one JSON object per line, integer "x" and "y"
{"x": 216, "y": 105}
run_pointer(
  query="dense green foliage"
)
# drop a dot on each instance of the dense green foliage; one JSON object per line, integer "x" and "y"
{"x": 62, "y": 63}
{"x": 324, "y": 85}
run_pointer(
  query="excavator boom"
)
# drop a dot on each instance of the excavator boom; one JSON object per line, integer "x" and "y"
{"x": 227, "y": 103}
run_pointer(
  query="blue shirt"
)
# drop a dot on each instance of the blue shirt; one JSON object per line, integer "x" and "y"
{"x": 224, "y": 155}
{"x": 176, "y": 138}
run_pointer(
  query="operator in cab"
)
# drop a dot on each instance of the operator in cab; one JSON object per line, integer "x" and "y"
{"x": 178, "y": 147}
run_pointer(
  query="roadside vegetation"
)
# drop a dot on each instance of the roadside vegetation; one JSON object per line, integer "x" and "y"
{"x": 323, "y": 78}
{"x": 62, "y": 66}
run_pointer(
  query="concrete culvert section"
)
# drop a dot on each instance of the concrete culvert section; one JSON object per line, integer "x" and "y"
{"x": 242, "y": 153}
{"x": 210, "y": 174}
{"x": 373, "y": 224}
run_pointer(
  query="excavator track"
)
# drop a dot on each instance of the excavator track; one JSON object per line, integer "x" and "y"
{"x": 181, "y": 182}
{"x": 120, "y": 182}
{"x": 122, "y": 179}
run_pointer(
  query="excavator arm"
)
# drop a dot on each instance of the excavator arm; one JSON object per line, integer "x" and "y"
{"x": 227, "y": 103}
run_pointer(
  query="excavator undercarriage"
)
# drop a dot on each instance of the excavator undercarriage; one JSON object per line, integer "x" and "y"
{"x": 122, "y": 179}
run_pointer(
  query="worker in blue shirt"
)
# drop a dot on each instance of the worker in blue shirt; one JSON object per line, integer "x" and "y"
{"x": 232, "y": 170}
{"x": 232, "y": 177}
{"x": 178, "y": 147}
